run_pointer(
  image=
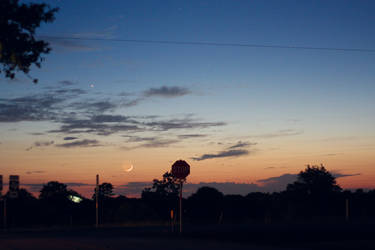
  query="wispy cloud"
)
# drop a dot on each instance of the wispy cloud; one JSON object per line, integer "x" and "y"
{"x": 81, "y": 143}
{"x": 187, "y": 136}
{"x": 37, "y": 133}
{"x": 40, "y": 144}
{"x": 150, "y": 142}
{"x": 186, "y": 123}
{"x": 241, "y": 144}
{"x": 280, "y": 133}
{"x": 167, "y": 92}
{"x": 236, "y": 150}
{"x": 222, "y": 154}
{"x": 340, "y": 175}
{"x": 107, "y": 33}
{"x": 67, "y": 83}
{"x": 46, "y": 106}
{"x": 73, "y": 113}
{"x": 133, "y": 138}
{"x": 69, "y": 138}
{"x": 35, "y": 172}
{"x": 158, "y": 143}
{"x": 65, "y": 44}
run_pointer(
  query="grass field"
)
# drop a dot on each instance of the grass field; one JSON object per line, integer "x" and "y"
{"x": 281, "y": 236}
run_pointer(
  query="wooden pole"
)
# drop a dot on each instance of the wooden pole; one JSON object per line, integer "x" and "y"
{"x": 5, "y": 213}
{"x": 347, "y": 209}
{"x": 97, "y": 201}
{"x": 172, "y": 221}
{"x": 181, "y": 206}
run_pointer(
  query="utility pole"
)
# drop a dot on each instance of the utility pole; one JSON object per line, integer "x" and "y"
{"x": 347, "y": 209}
{"x": 97, "y": 201}
{"x": 181, "y": 207}
{"x": 5, "y": 213}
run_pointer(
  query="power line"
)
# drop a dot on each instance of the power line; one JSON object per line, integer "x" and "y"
{"x": 211, "y": 44}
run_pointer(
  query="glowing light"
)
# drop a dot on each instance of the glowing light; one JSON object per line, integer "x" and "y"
{"x": 75, "y": 199}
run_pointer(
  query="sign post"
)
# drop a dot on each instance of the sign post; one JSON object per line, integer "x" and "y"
{"x": 180, "y": 170}
{"x": 4, "y": 203}
{"x": 1, "y": 185}
{"x": 97, "y": 201}
{"x": 14, "y": 185}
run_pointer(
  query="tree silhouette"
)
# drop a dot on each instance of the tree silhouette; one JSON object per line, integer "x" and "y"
{"x": 206, "y": 205}
{"x": 162, "y": 197}
{"x": 54, "y": 190}
{"x": 19, "y": 49}
{"x": 313, "y": 194}
{"x": 314, "y": 180}
{"x": 105, "y": 191}
{"x": 165, "y": 188}
{"x": 55, "y": 203}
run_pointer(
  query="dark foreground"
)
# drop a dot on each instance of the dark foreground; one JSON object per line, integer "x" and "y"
{"x": 343, "y": 236}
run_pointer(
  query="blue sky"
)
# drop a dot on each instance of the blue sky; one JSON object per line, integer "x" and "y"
{"x": 294, "y": 96}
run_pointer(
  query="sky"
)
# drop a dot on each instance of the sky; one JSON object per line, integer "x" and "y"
{"x": 245, "y": 118}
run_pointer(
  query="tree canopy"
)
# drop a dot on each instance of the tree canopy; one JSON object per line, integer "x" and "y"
{"x": 19, "y": 49}
{"x": 105, "y": 191}
{"x": 167, "y": 187}
{"x": 54, "y": 189}
{"x": 314, "y": 180}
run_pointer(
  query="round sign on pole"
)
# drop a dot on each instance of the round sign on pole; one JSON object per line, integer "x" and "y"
{"x": 180, "y": 169}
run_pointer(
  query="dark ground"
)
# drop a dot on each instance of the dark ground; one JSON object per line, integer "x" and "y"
{"x": 279, "y": 236}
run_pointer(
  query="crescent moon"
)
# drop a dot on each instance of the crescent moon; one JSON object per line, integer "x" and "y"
{"x": 129, "y": 169}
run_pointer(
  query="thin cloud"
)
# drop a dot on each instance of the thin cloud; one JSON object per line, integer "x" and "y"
{"x": 36, "y": 133}
{"x": 67, "y": 83}
{"x": 67, "y": 44}
{"x": 339, "y": 175}
{"x": 40, "y": 144}
{"x": 241, "y": 144}
{"x": 235, "y": 150}
{"x": 131, "y": 103}
{"x": 47, "y": 106}
{"x": 280, "y": 133}
{"x": 94, "y": 107}
{"x": 223, "y": 154}
{"x": 289, "y": 178}
{"x": 81, "y": 143}
{"x": 186, "y": 123}
{"x": 151, "y": 142}
{"x": 158, "y": 143}
{"x": 132, "y": 138}
{"x": 35, "y": 172}
{"x": 66, "y": 108}
{"x": 167, "y": 92}
{"x": 107, "y": 33}
{"x": 69, "y": 138}
{"x": 187, "y": 136}
{"x": 110, "y": 124}
{"x": 70, "y": 91}
{"x": 105, "y": 128}
{"x": 43, "y": 143}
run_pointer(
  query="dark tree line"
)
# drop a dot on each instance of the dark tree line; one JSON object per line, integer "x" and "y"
{"x": 314, "y": 197}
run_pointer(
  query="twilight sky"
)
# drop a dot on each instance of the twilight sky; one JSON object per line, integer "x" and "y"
{"x": 245, "y": 118}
